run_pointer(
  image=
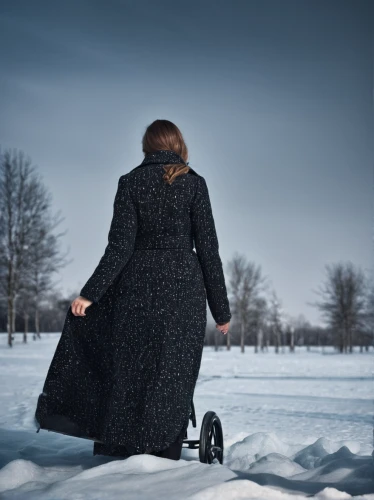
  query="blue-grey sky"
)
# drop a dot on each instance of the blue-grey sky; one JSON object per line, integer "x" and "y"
{"x": 274, "y": 99}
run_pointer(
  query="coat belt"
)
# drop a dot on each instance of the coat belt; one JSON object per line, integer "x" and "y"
{"x": 163, "y": 243}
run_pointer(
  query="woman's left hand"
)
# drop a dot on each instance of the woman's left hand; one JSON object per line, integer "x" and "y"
{"x": 79, "y": 306}
{"x": 223, "y": 327}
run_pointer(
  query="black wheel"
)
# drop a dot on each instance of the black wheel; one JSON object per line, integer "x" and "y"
{"x": 211, "y": 439}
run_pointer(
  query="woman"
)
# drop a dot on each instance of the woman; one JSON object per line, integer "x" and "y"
{"x": 127, "y": 362}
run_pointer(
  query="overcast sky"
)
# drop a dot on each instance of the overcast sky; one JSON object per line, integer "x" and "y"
{"x": 274, "y": 98}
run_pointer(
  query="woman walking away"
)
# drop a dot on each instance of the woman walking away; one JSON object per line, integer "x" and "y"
{"x": 126, "y": 365}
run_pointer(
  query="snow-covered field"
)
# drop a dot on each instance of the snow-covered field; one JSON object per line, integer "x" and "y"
{"x": 295, "y": 425}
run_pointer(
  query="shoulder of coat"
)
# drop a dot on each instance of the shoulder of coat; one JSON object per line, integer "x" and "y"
{"x": 124, "y": 177}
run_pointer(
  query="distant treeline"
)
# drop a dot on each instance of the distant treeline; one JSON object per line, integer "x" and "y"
{"x": 346, "y": 306}
{"x": 308, "y": 336}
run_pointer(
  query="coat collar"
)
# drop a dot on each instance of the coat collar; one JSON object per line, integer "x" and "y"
{"x": 163, "y": 157}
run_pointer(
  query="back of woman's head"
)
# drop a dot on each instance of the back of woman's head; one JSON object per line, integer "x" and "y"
{"x": 165, "y": 135}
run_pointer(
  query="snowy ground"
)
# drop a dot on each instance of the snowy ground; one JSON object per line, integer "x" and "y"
{"x": 295, "y": 425}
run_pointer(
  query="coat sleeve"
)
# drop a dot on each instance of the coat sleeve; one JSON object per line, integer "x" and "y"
{"x": 121, "y": 239}
{"x": 207, "y": 249}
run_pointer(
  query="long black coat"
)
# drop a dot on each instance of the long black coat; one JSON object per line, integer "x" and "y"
{"x": 125, "y": 373}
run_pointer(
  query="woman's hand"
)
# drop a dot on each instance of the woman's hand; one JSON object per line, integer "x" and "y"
{"x": 224, "y": 328}
{"x": 79, "y": 306}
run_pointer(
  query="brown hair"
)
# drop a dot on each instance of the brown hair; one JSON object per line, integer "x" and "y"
{"x": 163, "y": 134}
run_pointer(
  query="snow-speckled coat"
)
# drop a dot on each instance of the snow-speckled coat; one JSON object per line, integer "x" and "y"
{"x": 125, "y": 373}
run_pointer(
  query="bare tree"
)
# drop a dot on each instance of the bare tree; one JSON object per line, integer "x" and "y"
{"x": 15, "y": 176}
{"x": 44, "y": 259}
{"x": 343, "y": 302}
{"x": 368, "y": 331}
{"x": 24, "y": 210}
{"x": 259, "y": 318}
{"x": 24, "y": 307}
{"x": 290, "y": 335}
{"x": 298, "y": 331}
{"x": 275, "y": 320}
{"x": 245, "y": 282}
